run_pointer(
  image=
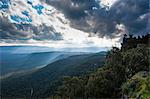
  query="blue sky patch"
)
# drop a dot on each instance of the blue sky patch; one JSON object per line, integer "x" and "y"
{"x": 4, "y": 4}
{"x": 17, "y": 18}
{"x": 26, "y": 13}
{"x": 38, "y": 8}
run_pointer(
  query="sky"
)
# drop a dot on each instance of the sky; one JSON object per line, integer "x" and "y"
{"x": 71, "y": 23}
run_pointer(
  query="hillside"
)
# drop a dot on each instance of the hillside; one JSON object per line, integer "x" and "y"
{"x": 125, "y": 74}
{"x": 45, "y": 81}
{"x": 24, "y": 58}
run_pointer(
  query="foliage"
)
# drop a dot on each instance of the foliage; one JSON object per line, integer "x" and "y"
{"x": 73, "y": 87}
{"x": 111, "y": 80}
{"x": 136, "y": 59}
{"x": 138, "y": 85}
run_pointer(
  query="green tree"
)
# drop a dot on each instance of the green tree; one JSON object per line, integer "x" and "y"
{"x": 136, "y": 59}
{"x": 72, "y": 87}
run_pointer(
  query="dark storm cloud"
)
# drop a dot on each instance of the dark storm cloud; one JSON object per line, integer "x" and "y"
{"x": 77, "y": 11}
{"x": 133, "y": 14}
{"x": 9, "y": 31}
{"x": 25, "y": 32}
{"x": 74, "y": 9}
{"x": 44, "y": 32}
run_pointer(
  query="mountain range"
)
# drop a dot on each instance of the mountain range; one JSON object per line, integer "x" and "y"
{"x": 45, "y": 80}
{"x": 23, "y": 58}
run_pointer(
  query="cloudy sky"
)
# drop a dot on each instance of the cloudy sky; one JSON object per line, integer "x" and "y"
{"x": 72, "y": 23}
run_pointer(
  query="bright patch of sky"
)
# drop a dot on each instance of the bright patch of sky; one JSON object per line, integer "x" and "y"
{"x": 107, "y": 3}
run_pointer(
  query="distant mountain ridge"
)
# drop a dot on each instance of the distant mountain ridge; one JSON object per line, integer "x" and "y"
{"x": 23, "y": 58}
